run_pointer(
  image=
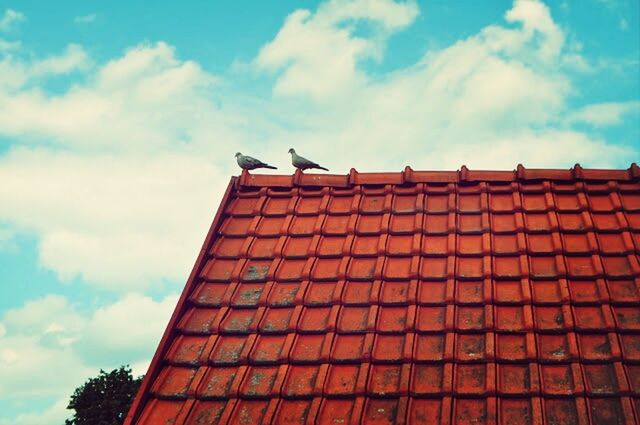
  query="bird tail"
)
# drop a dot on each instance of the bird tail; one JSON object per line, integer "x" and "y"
{"x": 322, "y": 168}
{"x": 270, "y": 166}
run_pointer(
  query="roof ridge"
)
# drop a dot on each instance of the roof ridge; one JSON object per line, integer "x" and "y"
{"x": 464, "y": 174}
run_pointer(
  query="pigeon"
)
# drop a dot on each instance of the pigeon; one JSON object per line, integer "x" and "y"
{"x": 248, "y": 163}
{"x": 303, "y": 163}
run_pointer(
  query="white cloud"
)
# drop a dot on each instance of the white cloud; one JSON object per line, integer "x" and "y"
{"x": 85, "y": 19}
{"x": 604, "y": 114}
{"x": 10, "y": 18}
{"x": 49, "y": 348}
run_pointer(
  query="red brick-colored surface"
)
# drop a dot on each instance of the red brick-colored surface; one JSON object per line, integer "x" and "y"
{"x": 468, "y": 297}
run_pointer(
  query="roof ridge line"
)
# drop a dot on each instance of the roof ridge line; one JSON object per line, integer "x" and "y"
{"x": 464, "y": 174}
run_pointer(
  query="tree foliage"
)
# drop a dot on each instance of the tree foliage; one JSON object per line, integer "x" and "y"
{"x": 105, "y": 399}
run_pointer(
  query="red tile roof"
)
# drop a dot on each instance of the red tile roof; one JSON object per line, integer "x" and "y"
{"x": 414, "y": 297}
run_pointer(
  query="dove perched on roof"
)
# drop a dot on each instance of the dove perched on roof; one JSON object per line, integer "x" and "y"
{"x": 302, "y": 163}
{"x": 248, "y": 163}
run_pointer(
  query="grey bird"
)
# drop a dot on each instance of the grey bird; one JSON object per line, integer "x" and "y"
{"x": 302, "y": 163}
{"x": 248, "y": 163}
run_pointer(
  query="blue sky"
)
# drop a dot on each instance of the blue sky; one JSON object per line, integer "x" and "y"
{"x": 119, "y": 121}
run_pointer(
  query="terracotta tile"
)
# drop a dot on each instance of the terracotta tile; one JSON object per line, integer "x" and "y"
{"x": 396, "y": 293}
{"x": 366, "y": 246}
{"x": 590, "y": 318}
{"x": 504, "y": 223}
{"x": 538, "y": 222}
{"x": 277, "y": 320}
{"x": 249, "y": 412}
{"x": 350, "y": 348}
{"x": 217, "y": 382}
{"x": 470, "y": 223}
{"x": 431, "y": 319}
{"x": 471, "y": 318}
{"x": 543, "y": 267}
{"x": 307, "y": 348}
{"x": 431, "y": 379}
{"x": 370, "y": 224}
{"x": 471, "y": 348}
{"x": 336, "y": 225}
{"x": 501, "y": 202}
{"x": 540, "y": 243}
{"x": 380, "y": 411}
{"x": 292, "y": 412}
{"x": 572, "y": 222}
{"x": 209, "y": 294}
{"x": 271, "y": 226}
{"x": 434, "y": 268}
{"x": 609, "y": 410}
{"x": 556, "y": 348}
{"x": 407, "y": 204}
{"x": 291, "y": 270}
{"x": 239, "y": 321}
{"x": 596, "y": 347}
{"x": 627, "y": 318}
{"x": 244, "y": 206}
{"x": 229, "y": 349}
{"x": 357, "y": 293}
{"x": 283, "y": 294}
{"x": 337, "y": 411}
{"x": 551, "y": 318}
{"x": 469, "y": 411}
{"x": 433, "y": 292}
{"x": 372, "y": 204}
{"x": 404, "y": 224}
{"x": 236, "y": 226}
{"x": 320, "y": 293}
{"x": 208, "y": 412}
{"x": 268, "y": 349}
{"x": 630, "y": 344}
{"x": 300, "y": 381}
{"x": 342, "y": 379}
{"x": 470, "y": 267}
{"x": 618, "y": 267}
{"x": 384, "y": 380}
{"x": 326, "y": 269}
{"x": 600, "y": 202}
{"x": 576, "y": 243}
{"x": 512, "y": 318}
{"x": 517, "y": 379}
{"x": 548, "y": 292}
{"x": 258, "y": 381}
{"x": 198, "y": 320}
{"x": 512, "y": 347}
{"x": 506, "y": 244}
{"x": 600, "y": 379}
{"x": 173, "y": 382}
{"x": 519, "y": 411}
{"x": 612, "y": 243}
{"x": 431, "y": 347}
{"x": 247, "y": 295}
{"x": 263, "y": 248}
{"x": 633, "y": 373}
{"x": 161, "y": 411}
{"x": 437, "y": 203}
{"x": 314, "y": 320}
{"x": 436, "y": 224}
{"x": 400, "y": 245}
{"x": 227, "y": 247}
{"x": 297, "y": 247}
{"x": 634, "y": 221}
{"x": 510, "y": 292}
{"x": 186, "y": 350}
{"x": 606, "y": 222}
{"x": 393, "y": 320}
{"x": 471, "y": 379}
{"x": 435, "y": 245}
{"x": 534, "y": 202}
{"x": 470, "y": 292}
{"x": 630, "y": 201}
{"x": 568, "y": 202}
{"x": 558, "y": 380}
{"x": 219, "y": 270}
{"x": 362, "y": 268}
{"x": 584, "y": 291}
{"x": 429, "y": 411}
{"x": 303, "y": 225}
{"x": 353, "y": 319}
{"x": 507, "y": 267}
{"x": 256, "y": 270}
{"x": 342, "y": 205}
{"x": 564, "y": 410}
{"x": 276, "y": 206}
{"x": 308, "y": 205}
{"x": 388, "y": 348}
{"x": 469, "y": 203}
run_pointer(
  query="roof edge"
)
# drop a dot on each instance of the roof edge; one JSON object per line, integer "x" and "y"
{"x": 154, "y": 367}
{"x": 464, "y": 174}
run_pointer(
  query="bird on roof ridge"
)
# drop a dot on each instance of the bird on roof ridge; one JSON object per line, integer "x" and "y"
{"x": 302, "y": 163}
{"x": 247, "y": 162}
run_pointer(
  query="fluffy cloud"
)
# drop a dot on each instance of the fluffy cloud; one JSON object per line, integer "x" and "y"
{"x": 604, "y": 114}
{"x": 85, "y": 19}
{"x": 120, "y": 174}
{"x": 10, "y": 18}
{"x": 48, "y": 347}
